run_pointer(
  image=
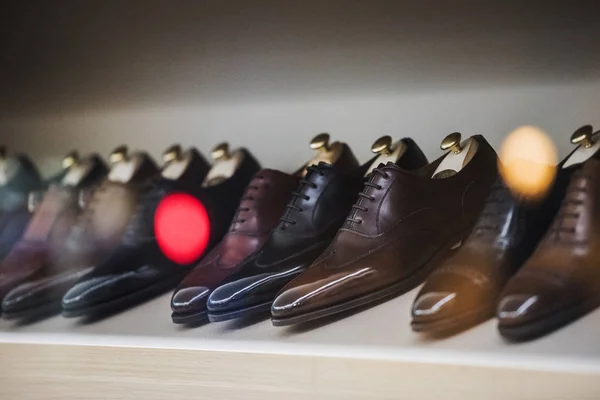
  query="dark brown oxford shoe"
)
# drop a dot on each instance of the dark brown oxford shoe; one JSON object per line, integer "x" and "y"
{"x": 403, "y": 223}
{"x": 561, "y": 280}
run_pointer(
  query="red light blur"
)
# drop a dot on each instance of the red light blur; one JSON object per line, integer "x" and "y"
{"x": 182, "y": 228}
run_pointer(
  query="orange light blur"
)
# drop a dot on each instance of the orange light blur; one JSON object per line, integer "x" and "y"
{"x": 528, "y": 162}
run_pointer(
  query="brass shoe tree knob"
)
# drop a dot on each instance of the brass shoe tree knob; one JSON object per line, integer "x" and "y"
{"x": 119, "y": 154}
{"x": 382, "y": 146}
{"x": 173, "y": 153}
{"x": 320, "y": 142}
{"x": 452, "y": 142}
{"x": 583, "y": 136}
{"x": 220, "y": 152}
{"x": 70, "y": 159}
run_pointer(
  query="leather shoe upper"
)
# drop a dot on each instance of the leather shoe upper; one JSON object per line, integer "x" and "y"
{"x": 562, "y": 274}
{"x": 31, "y": 257}
{"x": 259, "y": 212}
{"x": 138, "y": 262}
{"x": 82, "y": 238}
{"x": 505, "y": 234}
{"x": 402, "y": 219}
{"x": 316, "y": 213}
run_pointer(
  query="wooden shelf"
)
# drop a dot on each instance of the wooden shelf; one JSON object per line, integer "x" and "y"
{"x": 369, "y": 355}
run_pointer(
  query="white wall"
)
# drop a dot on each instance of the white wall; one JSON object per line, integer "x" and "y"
{"x": 269, "y": 74}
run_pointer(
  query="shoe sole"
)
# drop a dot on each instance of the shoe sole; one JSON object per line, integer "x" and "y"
{"x": 42, "y": 311}
{"x": 454, "y": 324}
{"x": 396, "y": 289}
{"x": 262, "y": 308}
{"x": 548, "y": 324}
{"x": 189, "y": 319}
{"x": 124, "y": 302}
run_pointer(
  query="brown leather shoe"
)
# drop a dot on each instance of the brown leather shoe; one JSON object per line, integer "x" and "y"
{"x": 561, "y": 280}
{"x": 258, "y": 214}
{"x": 47, "y": 229}
{"x": 403, "y": 224}
{"x": 94, "y": 235}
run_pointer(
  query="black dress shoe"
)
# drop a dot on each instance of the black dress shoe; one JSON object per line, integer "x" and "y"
{"x": 138, "y": 270}
{"x": 315, "y": 213}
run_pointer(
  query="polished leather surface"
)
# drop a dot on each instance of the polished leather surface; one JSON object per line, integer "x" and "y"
{"x": 316, "y": 214}
{"x": 138, "y": 263}
{"x": 402, "y": 220}
{"x": 561, "y": 278}
{"x": 466, "y": 287}
{"x": 259, "y": 212}
{"x": 79, "y": 240}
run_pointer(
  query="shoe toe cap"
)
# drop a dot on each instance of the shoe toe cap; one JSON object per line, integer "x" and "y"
{"x": 190, "y": 299}
{"x": 435, "y": 304}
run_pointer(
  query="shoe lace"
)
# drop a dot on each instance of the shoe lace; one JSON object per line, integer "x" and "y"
{"x": 570, "y": 209}
{"x": 365, "y": 194}
{"x": 494, "y": 208}
{"x": 248, "y": 197}
{"x": 287, "y": 218}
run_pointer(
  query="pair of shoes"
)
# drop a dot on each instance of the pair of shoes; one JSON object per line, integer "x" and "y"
{"x": 531, "y": 265}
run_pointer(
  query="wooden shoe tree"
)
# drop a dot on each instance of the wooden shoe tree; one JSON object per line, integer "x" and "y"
{"x": 588, "y": 145}
{"x": 77, "y": 168}
{"x": 123, "y": 165}
{"x": 459, "y": 155}
{"x": 388, "y": 151}
{"x": 176, "y": 162}
{"x": 225, "y": 163}
{"x": 325, "y": 152}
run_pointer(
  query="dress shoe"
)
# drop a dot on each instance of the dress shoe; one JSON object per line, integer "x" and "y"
{"x": 403, "y": 224}
{"x": 18, "y": 177}
{"x": 464, "y": 291}
{"x": 82, "y": 239}
{"x": 560, "y": 282}
{"x": 317, "y": 210}
{"x": 138, "y": 271}
{"x": 258, "y": 213}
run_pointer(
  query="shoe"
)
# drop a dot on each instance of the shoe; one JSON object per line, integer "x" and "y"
{"x": 258, "y": 213}
{"x": 73, "y": 249}
{"x": 405, "y": 221}
{"x": 52, "y": 220}
{"x": 138, "y": 270}
{"x": 317, "y": 210}
{"x": 464, "y": 291}
{"x": 560, "y": 282}
{"x": 18, "y": 177}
